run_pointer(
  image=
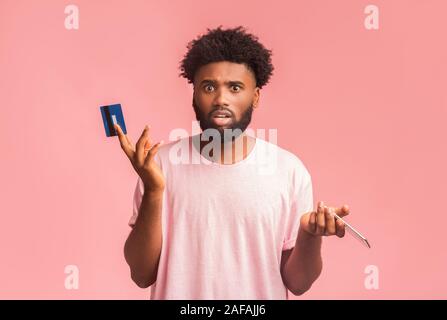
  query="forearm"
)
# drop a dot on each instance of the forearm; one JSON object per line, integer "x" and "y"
{"x": 143, "y": 246}
{"x": 304, "y": 264}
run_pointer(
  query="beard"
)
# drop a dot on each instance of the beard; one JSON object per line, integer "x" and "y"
{"x": 235, "y": 129}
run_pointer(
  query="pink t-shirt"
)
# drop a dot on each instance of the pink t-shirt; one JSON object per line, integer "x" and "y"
{"x": 224, "y": 226}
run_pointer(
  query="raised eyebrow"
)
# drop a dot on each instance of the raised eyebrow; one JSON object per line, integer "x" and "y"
{"x": 231, "y": 83}
{"x": 239, "y": 83}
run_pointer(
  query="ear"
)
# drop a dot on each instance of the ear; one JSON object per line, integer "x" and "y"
{"x": 257, "y": 95}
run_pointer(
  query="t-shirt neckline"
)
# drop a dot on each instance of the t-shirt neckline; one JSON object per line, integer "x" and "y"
{"x": 205, "y": 160}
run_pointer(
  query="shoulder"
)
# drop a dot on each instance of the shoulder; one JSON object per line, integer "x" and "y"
{"x": 285, "y": 158}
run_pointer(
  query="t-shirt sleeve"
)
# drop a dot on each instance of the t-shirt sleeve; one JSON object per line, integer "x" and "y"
{"x": 301, "y": 202}
{"x": 138, "y": 196}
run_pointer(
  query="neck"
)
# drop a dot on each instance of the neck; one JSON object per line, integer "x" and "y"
{"x": 230, "y": 152}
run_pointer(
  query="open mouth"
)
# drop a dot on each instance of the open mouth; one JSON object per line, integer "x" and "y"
{"x": 221, "y": 118}
{"x": 221, "y": 121}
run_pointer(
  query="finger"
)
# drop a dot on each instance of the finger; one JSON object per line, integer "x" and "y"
{"x": 119, "y": 130}
{"x": 121, "y": 133}
{"x": 125, "y": 145}
{"x": 340, "y": 228}
{"x": 313, "y": 222}
{"x": 129, "y": 142}
{"x": 140, "y": 145}
{"x": 342, "y": 211}
{"x": 330, "y": 221}
{"x": 153, "y": 151}
{"x": 320, "y": 219}
{"x": 148, "y": 145}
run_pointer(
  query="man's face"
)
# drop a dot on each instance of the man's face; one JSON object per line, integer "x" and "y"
{"x": 225, "y": 95}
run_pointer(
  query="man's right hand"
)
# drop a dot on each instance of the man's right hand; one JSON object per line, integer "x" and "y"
{"x": 142, "y": 159}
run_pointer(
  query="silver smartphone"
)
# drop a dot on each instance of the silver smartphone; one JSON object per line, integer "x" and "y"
{"x": 354, "y": 232}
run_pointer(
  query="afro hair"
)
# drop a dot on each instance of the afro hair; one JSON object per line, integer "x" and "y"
{"x": 233, "y": 45}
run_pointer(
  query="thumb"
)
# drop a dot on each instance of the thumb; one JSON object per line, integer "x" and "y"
{"x": 343, "y": 211}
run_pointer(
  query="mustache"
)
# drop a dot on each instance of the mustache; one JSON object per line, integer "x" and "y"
{"x": 210, "y": 114}
{"x": 205, "y": 120}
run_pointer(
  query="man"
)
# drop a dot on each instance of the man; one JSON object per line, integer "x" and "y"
{"x": 220, "y": 228}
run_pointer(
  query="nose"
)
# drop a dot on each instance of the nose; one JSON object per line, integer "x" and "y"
{"x": 220, "y": 98}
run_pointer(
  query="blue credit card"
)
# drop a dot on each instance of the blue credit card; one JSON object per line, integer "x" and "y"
{"x": 112, "y": 115}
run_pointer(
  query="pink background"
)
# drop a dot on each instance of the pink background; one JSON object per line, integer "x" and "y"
{"x": 364, "y": 109}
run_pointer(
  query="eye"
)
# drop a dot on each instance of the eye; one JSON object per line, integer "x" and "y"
{"x": 208, "y": 86}
{"x": 236, "y": 86}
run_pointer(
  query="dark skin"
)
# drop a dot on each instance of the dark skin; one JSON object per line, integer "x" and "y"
{"x": 231, "y": 86}
{"x": 301, "y": 265}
